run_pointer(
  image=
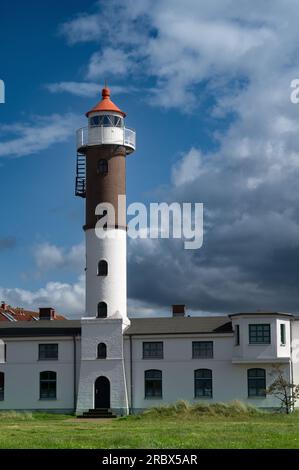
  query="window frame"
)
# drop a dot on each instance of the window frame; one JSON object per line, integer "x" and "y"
{"x": 237, "y": 335}
{"x": 149, "y": 380}
{"x": 203, "y": 380}
{"x": 283, "y": 337}
{"x": 206, "y": 350}
{"x": 256, "y": 326}
{"x": 146, "y": 355}
{"x": 256, "y": 378}
{"x": 106, "y": 120}
{"x": 49, "y": 381}
{"x": 48, "y": 358}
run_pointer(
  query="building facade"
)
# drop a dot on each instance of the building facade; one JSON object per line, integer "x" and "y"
{"x": 107, "y": 361}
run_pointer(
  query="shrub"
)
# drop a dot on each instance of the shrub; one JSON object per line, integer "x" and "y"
{"x": 184, "y": 409}
{"x": 16, "y": 415}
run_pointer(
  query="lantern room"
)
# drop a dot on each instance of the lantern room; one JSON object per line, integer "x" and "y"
{"x": 106, "y": 127}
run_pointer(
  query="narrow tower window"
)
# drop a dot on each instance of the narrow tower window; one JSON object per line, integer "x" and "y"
{"x": 102, "y": 351}
{"x": 103, "y": 268}
{"x": 102, "y": 167}
{"x": 102, "y": 310}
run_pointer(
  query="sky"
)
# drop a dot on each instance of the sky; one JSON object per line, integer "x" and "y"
{"x": 206, "y": 85}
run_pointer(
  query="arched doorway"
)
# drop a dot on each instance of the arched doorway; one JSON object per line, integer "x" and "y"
{"x": 102, "y": 393}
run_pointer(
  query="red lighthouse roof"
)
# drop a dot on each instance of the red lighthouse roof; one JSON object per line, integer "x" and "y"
{"x": 105, "y": 104}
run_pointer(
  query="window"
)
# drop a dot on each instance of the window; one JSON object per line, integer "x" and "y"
{"x": 259, "y": 334}
{"x": 102, "y": 310}
{"x": 102, "y": 351}
{"x": 282, "y": 334}
{"x": 94, "y": 121}
{"x": 47, "y": 385}
{"x": 47, "y": 352}
{"x": 108, "y": 120}
{"x": 102, "y": 167}
{"x": 203, "y": 383}
{"x": 153, "y": 350}
{"x": 1, "y": 386}
{"x": 256, "y": 382}
{"x": 237, "y": 335}
{"x": 102, "y": 268}
{"x": 153, "y": 383}
{"x": 202, "y": 349}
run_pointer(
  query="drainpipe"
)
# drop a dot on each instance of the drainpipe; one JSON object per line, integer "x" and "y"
{"x": 291, "y": 350}
{"x": 75, "y": 372}
{"x": 131, "y": 377}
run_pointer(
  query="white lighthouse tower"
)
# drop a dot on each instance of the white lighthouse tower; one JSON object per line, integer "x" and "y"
{"x": 102, "y": 148}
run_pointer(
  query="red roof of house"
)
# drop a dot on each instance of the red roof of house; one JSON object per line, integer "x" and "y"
{"x": 8, "y": 313}
{"x": 106, "y": 104}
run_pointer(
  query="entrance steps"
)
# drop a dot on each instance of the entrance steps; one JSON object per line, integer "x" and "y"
{"x": 98, "y": 413}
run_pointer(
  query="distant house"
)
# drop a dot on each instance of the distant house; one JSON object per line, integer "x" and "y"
{"x": 13, "y": 314}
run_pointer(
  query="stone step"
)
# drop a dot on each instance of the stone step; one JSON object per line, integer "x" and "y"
{"x": 98, "y": 413}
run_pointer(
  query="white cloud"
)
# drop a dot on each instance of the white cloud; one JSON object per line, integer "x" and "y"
{"x": 38, "y": 134}
{"x": 83, "y": 28}
{"x": 49, "y": 257}
{"x": 87, "y": 89}
{"x": 83, "y": 89}
{"x": 188, "y": 168}
{"x": 180, "y": 45}
{"x": 66, "y": 298}
{"x": 109, "y": 62}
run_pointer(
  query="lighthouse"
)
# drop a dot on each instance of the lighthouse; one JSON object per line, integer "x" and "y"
{"x": 102, "y": 148}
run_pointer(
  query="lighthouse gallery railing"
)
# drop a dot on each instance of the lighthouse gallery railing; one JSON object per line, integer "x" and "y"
{"x": 100, "y": 135}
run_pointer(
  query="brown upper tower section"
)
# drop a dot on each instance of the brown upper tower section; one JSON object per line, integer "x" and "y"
{"x": 101, "y": 160}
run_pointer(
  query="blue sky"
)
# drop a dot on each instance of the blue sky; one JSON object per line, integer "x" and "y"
{"x": 207, "y": 90}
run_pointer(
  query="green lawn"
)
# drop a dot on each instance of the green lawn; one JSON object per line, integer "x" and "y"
{"x": 38, "y": 430}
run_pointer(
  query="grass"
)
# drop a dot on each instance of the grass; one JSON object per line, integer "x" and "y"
{"x": 223, "y": 426}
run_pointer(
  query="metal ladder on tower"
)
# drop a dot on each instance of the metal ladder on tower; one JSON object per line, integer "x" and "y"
{"x": 80, "y": 189}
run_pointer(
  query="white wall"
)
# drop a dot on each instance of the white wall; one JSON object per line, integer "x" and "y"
{"x": 177, "y": 366}
{"x": 246, "y": 351}
{"x": 108, "y": 331}
{"x": 111, "y": 289}
{"x": 22, "y": 369}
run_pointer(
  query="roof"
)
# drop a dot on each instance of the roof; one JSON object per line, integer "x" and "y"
{"x": 40, "y": 328}
{"x": 261, "y": 313}
{"x": 139, "y": 326}
{"x": 105, "y": 104}
{"x": 179, "y": 325}
{"x": 13, "y": 314}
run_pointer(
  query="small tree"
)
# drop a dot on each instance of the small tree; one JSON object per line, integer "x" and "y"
{"x": 286, "y": 392}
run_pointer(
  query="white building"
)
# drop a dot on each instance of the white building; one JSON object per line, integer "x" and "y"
{"x": 71, "y": 366}
{"x": 107, "y": 361}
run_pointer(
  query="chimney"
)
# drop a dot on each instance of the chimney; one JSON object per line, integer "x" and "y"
{"x": 47, "y": 313}
{"x": 178, "y": 310}
{"x": 4, "y": 306}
